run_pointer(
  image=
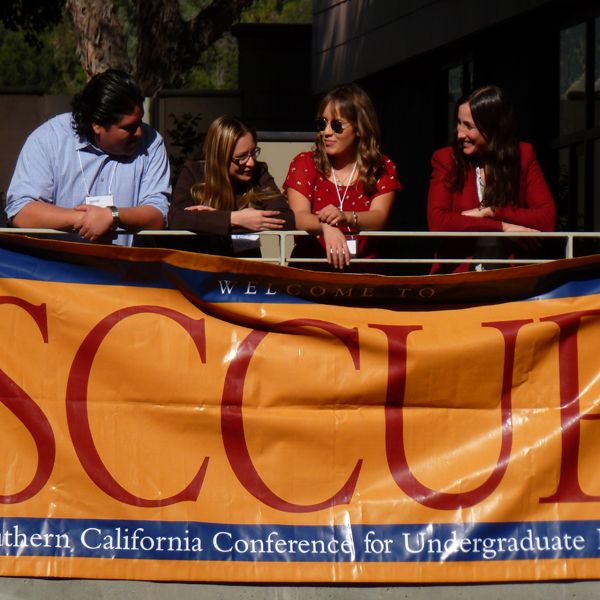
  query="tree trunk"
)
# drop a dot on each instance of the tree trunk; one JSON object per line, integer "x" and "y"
{"x": 168, "y": 46}
{"x": 100, "y": 38}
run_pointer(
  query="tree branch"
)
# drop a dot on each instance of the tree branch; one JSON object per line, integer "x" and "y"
{"x": 168, "y": 46}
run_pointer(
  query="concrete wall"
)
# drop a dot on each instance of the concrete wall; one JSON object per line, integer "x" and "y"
{"x": 278, "y": 151}
{"x": 21, "y": 115}
{"x": 278, "y": 154}
{"x": 56, "y": 589}
{"x": 356, "y": 38}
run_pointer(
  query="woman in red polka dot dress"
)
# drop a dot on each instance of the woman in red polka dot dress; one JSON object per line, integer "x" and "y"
{"x": 345, "y": 185}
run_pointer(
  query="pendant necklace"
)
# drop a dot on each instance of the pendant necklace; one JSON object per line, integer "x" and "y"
{"x": 342, "y": 182}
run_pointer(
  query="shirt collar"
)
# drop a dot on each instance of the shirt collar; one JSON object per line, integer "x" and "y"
{"x": 82, "y": 143}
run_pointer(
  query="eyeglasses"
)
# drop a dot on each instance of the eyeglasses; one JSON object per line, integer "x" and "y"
{"x": 336, "y": 125}
{"x": 242, "y": 160}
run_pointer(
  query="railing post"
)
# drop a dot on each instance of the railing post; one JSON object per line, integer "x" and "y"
{"x": 282, "y": 243}
{"x": 569, "y": 245}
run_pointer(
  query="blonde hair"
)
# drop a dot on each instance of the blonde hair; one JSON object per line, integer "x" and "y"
{"x": 217, "y": 191}
{"x": 352, "y": 104}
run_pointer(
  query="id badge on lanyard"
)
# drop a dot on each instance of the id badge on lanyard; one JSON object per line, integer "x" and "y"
{"x": 351, "y": 247}
{"x": 101, "y": 201}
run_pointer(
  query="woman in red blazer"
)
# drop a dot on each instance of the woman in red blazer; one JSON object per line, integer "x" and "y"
{"x": 486, "y": 181}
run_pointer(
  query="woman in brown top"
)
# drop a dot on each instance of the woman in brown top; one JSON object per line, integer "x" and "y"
{"x": 229, "y": 193}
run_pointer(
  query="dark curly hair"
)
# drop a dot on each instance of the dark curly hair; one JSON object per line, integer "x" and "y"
{"x": 105, "y": 100}
{"x": 492, "y": 114}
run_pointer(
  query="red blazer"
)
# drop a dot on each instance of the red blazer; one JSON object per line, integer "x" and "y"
{"x": 536, "y": 207}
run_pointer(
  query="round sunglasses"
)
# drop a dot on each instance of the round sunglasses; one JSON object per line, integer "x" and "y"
{"x": 337, "y": 126}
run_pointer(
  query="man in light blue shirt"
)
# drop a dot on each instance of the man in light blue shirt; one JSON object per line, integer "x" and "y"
{"x": 95, "y": 170}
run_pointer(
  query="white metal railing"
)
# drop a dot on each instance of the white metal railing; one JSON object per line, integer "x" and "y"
{"x": 282, "y": 255}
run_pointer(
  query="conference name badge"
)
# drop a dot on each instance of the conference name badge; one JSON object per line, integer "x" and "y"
{"x": 101, "y": 201}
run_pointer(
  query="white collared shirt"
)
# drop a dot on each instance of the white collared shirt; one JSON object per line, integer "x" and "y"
{"x": 49, "y": 170}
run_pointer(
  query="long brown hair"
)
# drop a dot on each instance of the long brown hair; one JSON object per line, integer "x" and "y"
{"x": 492, "y": 114}
{"x": 351, "y": 103}
{"x": 217, "y": 190}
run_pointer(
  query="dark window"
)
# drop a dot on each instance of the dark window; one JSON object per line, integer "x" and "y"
{"x": 457, "y": 81}
{"x": 572, "y": 79}
{"x": 578, "y": 141}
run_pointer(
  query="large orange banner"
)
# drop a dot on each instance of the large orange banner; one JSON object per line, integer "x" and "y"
{"x": 170, "y": 416}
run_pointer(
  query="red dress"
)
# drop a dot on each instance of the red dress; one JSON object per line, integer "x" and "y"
{"x": 304, "y": 178}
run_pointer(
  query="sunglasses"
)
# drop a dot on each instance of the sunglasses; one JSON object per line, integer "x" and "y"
{"x": 337, "y": 126}
{"x": 242, "y": 160}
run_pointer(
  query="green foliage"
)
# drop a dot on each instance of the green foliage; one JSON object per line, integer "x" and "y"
{"x": 278, "y": 11}
{"x": 124, "y": 9}
{"x": 31, "y": 17}
{"x": 52, "y": 62}
{"x": 184, "y": 135}
{"x": 52, "y": 65}
{"x": 218, "y": 67}
{"x": 191, "y": 8}
{"x": 297, "y": 11}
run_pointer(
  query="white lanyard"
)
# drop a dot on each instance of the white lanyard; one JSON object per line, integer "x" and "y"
{"x": 87, "y": 189}
{"x": 342, "y": 198}
{"x": 480, "y": 186}
{"x": 351, "y": 242}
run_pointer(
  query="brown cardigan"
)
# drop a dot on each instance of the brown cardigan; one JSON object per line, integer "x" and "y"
{"x": 218, "y": 222}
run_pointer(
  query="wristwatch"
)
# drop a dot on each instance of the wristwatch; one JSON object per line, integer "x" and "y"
{"x": 115, "y": 215}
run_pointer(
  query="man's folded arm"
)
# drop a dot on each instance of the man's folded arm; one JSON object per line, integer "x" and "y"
{"x": 42, "y": 215}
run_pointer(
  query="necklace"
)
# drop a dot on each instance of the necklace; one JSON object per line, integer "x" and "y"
{"x": 341, "y": 183}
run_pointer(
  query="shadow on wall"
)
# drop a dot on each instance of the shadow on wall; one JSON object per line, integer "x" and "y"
{"x": 3, "y": 221}
{"x": 27, "y": 112}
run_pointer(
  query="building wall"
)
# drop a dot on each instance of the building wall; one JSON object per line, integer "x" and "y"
{"x": 401, "y": 53}
{"x": 356, "y": 38}
{"x": 275, "y": 76}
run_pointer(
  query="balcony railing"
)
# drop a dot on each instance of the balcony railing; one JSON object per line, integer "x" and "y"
{"x": 277, "y": 245}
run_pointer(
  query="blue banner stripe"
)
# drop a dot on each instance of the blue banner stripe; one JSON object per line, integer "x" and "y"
{"x": 571, "y": 289}
{"x": 432, "y": 543}
{"x": 68, "y": 268}
{"x": 290, "y": 286}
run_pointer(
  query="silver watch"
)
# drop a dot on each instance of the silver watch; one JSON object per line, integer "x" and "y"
{"x": 115, "y": 216}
